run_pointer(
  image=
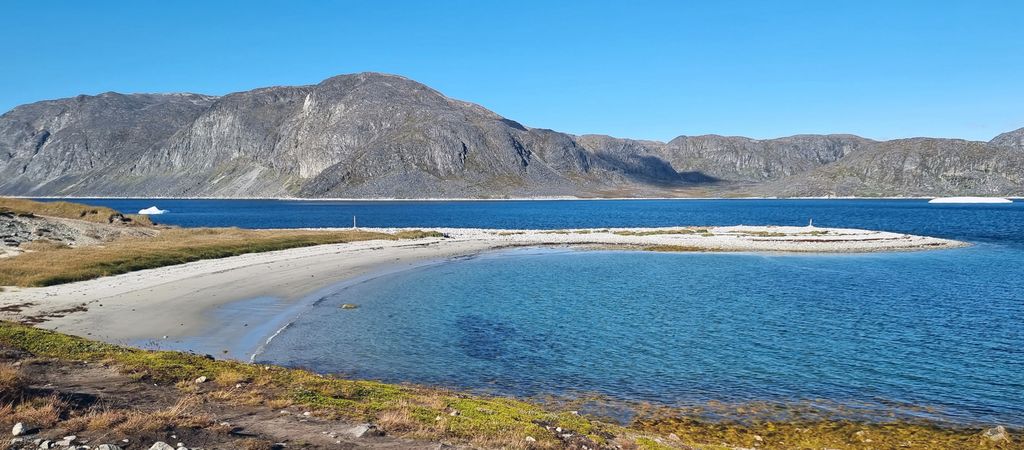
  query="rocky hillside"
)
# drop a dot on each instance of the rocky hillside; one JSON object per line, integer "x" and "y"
{"x": 372, "y": 135}
{"x": 1013, "y": 138}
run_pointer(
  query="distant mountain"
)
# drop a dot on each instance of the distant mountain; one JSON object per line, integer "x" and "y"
{"x": 1013, "y": 138}
{"x": 372, "y": 135}
{"x": 912, "y": 167}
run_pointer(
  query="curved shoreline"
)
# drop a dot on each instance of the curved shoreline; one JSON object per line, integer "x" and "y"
{"x": 176, "y": 303}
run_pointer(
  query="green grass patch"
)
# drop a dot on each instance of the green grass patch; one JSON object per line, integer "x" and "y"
{"x": 486, "y": 422}
{"x": 437, "y": 414}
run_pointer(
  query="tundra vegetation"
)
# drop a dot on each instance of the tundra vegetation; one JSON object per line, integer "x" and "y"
{"x": 427, "y": 413}
{"x": 68, "y": 210}
{"x": 51, "y": 263}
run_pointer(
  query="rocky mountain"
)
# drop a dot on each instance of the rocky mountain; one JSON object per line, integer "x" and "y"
{"x": 912, "y": 167}
{"x": 372, "y": 135}
{"x": 1013, "y": 138}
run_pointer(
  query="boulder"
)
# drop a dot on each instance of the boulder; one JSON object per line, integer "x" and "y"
{"x": 364, "y": 430}
{"x": 19, "y": 429}
{"x": 996, "y": 434}
{"x": 108, "y": 447}
{"x": 161, "y": 445}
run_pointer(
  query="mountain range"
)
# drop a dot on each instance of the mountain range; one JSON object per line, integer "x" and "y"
{"x": 371, "y": 135}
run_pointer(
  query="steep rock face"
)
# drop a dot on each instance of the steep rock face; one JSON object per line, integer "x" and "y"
{"x": 373, "y": 135}
{"x": 750, "y": 160}
{"x": 49, "y": 145}
{"x": 913, "y": 167}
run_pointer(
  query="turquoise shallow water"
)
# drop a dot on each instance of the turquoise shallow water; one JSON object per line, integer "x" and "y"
{"x": 938, "y": 329}
{"x": 890, "y": 333}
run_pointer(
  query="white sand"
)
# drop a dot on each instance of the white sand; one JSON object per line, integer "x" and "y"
{"x": 177, "y": 301}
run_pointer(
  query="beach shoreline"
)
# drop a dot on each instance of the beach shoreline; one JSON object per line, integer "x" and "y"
{"x": 168, "y": 307}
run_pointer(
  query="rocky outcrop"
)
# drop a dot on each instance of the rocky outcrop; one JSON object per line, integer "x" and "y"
{"x": 912, "y": 167}
{"x": 750, "y": 160}
{"x": 373, "y": 135}
{"x": 1013, "y": 138}
{"x": 18, "y": 229}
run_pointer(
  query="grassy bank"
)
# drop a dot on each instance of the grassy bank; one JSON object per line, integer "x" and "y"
{"x": 490, "y": 422}
{"x": 55, "y": 264}
{"x": 68, "y": 210}
{"x": 409, "y": 411}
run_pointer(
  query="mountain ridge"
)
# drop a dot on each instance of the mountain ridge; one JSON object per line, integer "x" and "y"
{"x": 372, "y": 135}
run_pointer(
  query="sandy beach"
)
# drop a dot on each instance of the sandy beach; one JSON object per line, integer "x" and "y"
{"x": 169, "y": 306}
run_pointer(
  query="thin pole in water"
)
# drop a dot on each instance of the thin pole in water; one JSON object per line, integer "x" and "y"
{"x": 353, "y": 222}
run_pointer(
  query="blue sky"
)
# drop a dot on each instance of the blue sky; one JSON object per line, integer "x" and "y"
{"x": 640, "y": 69}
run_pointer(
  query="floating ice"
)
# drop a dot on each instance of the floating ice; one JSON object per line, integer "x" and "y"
{"x": 152, "y": 210}
{"x": 970, "y": 200}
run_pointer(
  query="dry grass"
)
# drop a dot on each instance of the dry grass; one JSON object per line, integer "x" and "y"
{"x": 42, "y": 245}
{"x": 56, "y": 265}
{"x": 51, "y": 263}
{"x": 231, "y": 378}
{"x": 94, "y": 420}
{"x": 485, "y": 421}
{"x": 39, "y": 412}
{"x": 253, "y": 444}
{"x": 12, "y": 385}
{"x": 67, "y": 210}
{"x": 765, "y": 233}
{"x": 681, "y": 248}
{"x": 701, "y": 231}
{"x": 399, "y": 421}
{"x": 417, "y": 412}
{"x": 278, "y": 403}
{"x": 184, "y": 414}
{"x": 815, "y": 233}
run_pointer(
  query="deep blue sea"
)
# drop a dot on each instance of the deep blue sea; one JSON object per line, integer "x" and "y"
{"x": 936, "y": 334}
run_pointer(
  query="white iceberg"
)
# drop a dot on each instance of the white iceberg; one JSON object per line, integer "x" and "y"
{"x": 152, "y": 210}
{"x": 970, "y": 200}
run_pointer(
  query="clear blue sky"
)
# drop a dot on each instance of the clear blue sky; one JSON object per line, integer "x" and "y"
{"x": 640, "y": 69}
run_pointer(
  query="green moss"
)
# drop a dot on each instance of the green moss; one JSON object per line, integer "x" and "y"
{"x": 491, "y": 419}
{"x": 494, "y": 421}
{"x": 651, "y": 444}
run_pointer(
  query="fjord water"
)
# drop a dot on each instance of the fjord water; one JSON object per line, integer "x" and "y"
{"x": 938, "y": 334}
{"x": 976, "y": 222}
